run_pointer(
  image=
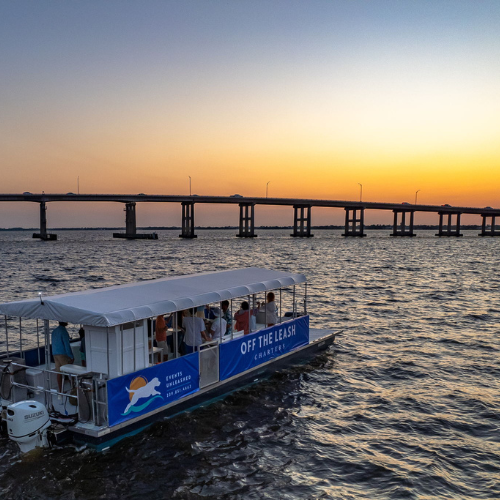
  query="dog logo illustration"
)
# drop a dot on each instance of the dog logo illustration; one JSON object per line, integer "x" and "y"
{"x": 140, "y": 388}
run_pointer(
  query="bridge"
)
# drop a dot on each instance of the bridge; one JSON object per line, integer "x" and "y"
{"x": 403, "y": 213}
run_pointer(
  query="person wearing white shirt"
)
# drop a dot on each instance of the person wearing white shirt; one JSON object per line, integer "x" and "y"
{"x": 195, "y": 332}
{"x": 271, "y": 310}
{"x": 219, "y": 325}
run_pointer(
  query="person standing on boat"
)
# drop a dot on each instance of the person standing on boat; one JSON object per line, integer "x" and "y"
{"x": 195, "y": 332}
{"x": 61, "y": 350}
{"x": 219, "y": 325}
{"x": 270, "y": 310}
{"x": 226, "y": 315}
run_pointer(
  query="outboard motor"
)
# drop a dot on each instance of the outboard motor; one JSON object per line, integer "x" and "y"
{"x": 27, "y": 424}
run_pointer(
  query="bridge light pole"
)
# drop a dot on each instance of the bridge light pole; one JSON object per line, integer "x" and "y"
{"x": 267, "y": 185}
{"x": 189, "y": 185}
{"x": 416, "y": 192}
{"x": 360, "y": 191}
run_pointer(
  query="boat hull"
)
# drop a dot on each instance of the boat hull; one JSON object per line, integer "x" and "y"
{"x": 109, "y": 436}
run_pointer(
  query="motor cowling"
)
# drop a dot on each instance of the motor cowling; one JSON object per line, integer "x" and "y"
{"x": 27, "y": 424}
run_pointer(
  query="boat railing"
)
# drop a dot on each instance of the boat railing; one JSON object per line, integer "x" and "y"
{"x": 82, "y": 394}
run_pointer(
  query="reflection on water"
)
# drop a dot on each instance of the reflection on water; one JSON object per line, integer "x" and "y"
{"x": 406, "y": 405}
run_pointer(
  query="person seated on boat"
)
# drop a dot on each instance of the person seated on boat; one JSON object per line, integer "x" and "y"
{"x": 226, "y": 314}
{"x": 271, "y": 310}
{"x": 242, "y": 317}
{"x": 195, "y": 332}
{"x": 81, "y": 332}
{"x": 161, "y": 335}
{"x": 219, "y": 325}
{"x": 61, "y": 350}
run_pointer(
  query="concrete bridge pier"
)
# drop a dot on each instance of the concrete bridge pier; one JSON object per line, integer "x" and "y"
{"x": 43, "y": 235}
{"x": 131, "y": 226}
{"x": 247, "y": 221}
{"x": 354, "y": 226}
{"x": 187, "y": 220}
{"x": 449, "y": 229}
{"x": 491, "y": 231}
{"x": 403, "y": 229}
{"x": 302, "y": 221}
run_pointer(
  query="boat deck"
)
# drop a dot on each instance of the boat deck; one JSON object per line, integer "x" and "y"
{"x": 318, "y": 333}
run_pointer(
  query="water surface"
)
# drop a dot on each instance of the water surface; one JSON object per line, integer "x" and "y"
{"x": 407, "y": 404}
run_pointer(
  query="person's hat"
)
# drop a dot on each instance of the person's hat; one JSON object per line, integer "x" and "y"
{"x": 216, "y": 312}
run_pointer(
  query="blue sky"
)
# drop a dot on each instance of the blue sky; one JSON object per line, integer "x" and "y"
{"x": 136, "y": 96}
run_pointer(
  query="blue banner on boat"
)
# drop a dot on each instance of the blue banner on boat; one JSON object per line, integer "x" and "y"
{"x": 251, "y": 350}
{"x": 145, "y": 390}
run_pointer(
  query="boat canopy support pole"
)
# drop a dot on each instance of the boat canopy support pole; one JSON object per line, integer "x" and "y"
{"x": 21, "y": 354}
{"x": 151, "y": 336}
{"x": 232, "y": 318}
{"x": 249, "y": 314}
{"x": 281, "y": 302}
{"x": 451, "y": 229}
{"x": 187, "y": 220}
{"x": 302, "y": 221}
{"x": 46, "y": 331}
{"x": 121, "y": 349}
{"x": 107, "y": 349}
{"x": 176, "y": 334}
{"x": 38, "y": 341}
{"x": 492, "y": 231}
{"x": 7, "y": 336}
{"x": 354, "y": 224}
{"x": 135, "y": 353}
{"x": 247, "y": 221}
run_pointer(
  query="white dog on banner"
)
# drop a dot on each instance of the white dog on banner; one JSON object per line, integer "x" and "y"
{"x": 145, "y": 391}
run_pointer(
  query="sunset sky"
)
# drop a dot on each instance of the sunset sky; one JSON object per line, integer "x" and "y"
{"x": 311, "y": 96}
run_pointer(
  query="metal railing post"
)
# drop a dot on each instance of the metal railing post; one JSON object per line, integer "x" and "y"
{"x": 7, "y": 335}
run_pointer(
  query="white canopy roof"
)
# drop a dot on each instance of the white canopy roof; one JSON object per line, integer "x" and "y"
{"x": 120, "y": 304}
